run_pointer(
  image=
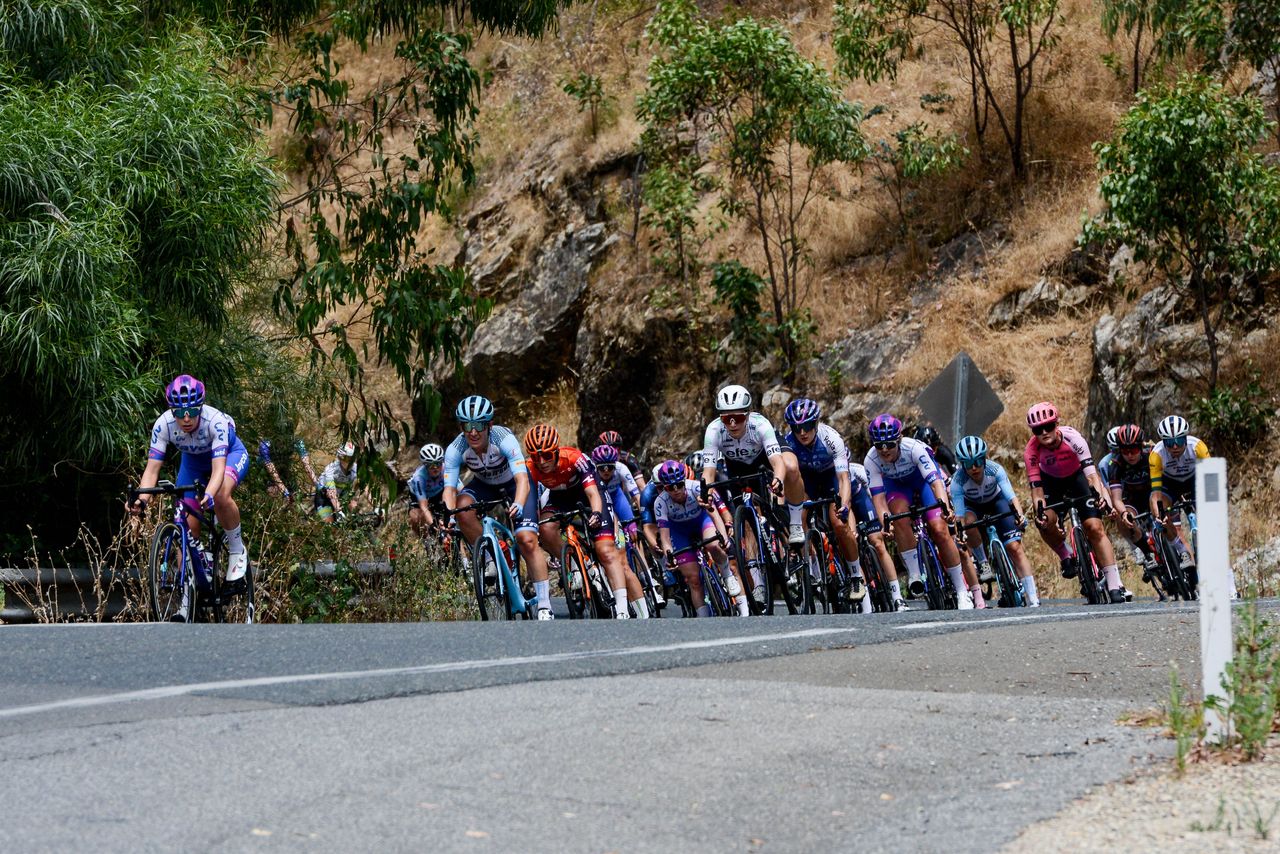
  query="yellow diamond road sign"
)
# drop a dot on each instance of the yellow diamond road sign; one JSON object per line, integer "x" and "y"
{"x": 960, "y": 401}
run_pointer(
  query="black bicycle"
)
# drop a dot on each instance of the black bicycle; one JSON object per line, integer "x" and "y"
{"x": 756, "y": 528}
{"x": 938, "y": 590}
{"x": 1093, "y": 583}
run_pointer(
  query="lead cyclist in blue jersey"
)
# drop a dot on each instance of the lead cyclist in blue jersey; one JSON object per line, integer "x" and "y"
{"x": 211, "y": 454}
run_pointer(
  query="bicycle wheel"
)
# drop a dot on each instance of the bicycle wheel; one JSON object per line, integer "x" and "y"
{"x": 1010, "y": 587}
{"x": 165, "y": 581}
{"x": 1170, "y": 567}
{"x": 1094, "y": 593}
{"x": 235, "y": 602}
{"x": 574, "y": 584}
{"x": 746, "y": 528}
{"x": 877, "y": 587}
{"x": 935, "y": 580}
{"x": 817, "y": 577}
{"x": 642, "y": 575}
{"x": 714, "y": 593}
{"x": 486, "y": 578}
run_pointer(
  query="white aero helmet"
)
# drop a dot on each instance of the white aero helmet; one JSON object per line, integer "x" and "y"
{"x": 346, "y": 449}
{"x": 733, "y": 398}
{"x": 431, "y": 453}
{"x": 1173, "y": 428}
{"x": 1113, "y": 444}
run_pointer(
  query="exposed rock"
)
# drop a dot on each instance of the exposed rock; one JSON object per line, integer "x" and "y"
{"x": 1046, "y": 297}
{"x": 1260, "y": 566}
{"x": 1119, "y": 265}
{"x": 1084, "y": 265}
{"x": 864, "y": 357}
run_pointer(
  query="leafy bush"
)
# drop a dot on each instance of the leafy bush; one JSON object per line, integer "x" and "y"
{"x": 1235, "y": 418}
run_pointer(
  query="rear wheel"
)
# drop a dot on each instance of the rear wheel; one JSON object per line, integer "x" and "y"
{"x": 877, "y": 587}
{"x": 165, "y": 582}
{"x": 713, "y": 592}
{"x": 237, "y": 603}
{"x": 573, "y": 581}
{"x": 1171, "y": 567}
{"x": 485, "y": 575}
{"x": 935, "y": 579}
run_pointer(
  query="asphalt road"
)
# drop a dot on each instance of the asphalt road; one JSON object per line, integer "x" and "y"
{"x": 923, "y": 732}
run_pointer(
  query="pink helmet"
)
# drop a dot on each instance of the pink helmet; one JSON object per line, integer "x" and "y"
{"x": 1042, "y": 413}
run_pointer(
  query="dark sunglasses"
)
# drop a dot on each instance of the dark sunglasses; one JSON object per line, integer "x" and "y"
{"x": 541, "y": 456}
{"x": 1176, "y": 443}
{"x": 886, "y": 446}
{"x": 673, "y": 487}
{"x": 603, "y": 468}
{"x": 807, "y": 427}
{"x": 733, "y": 417}
{"x": 474, "y": 426}
{"x": 186, "y": 412}
{"x": 1045, "y": 428}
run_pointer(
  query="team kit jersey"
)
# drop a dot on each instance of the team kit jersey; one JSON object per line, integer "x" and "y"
{"x": 990, "y": 495}
{"x": 497, "y": 464}
{"x": 214, "y": 437}
{"x": 621, "y": 489}
{"x": 424, "y": 487}
{"x": 1062, "y": 471}
{"x": 742, "y": 454}
{"x": 686, "y": 521}
{"x": 1173, "y": 470}
{"x": 567, "y": 483}
{"x": 1133, "y": 479}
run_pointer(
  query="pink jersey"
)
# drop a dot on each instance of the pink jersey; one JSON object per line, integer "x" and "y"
{"x": 1071, "y": 455}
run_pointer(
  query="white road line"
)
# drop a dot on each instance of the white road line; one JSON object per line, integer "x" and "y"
{"x": 1051, "y": 614}
{"x": 169, "y": 691}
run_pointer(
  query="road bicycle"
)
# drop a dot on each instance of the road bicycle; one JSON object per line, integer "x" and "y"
{"x": 496, "y": 567}
{"x": 938, "y": 591}
{"x": 586, "y": 590}
{"x": 756, "y": 530}
{"x": 1169, "y": 572}
{"x": 638, "y": 561}
{"x": 1093, "y": 583}
{"x": 180, "y": 567}
{"x": 1010, "y": 585}
{"x": 714, "y": 593}
{"x": 873, "y": 573}
{"x": 829, "y": 578}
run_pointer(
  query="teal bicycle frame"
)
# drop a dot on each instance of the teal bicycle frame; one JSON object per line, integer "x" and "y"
{"x": 500, "y": 597}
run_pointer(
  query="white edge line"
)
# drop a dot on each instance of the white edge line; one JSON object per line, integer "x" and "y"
{"x": 1045, "y": 615}
{"x": 169, "y": 691}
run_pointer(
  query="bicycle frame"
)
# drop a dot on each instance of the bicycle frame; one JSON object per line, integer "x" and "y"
{"x": 714, "y": 594}
{"x": 495, "y": 533}
{"x": 594, "y": 600}
{"x": 995, "y": 544}
{"x": 763, "y": 526}
{"x": 937, "y": 587}
{"x": 1097, "y": 582}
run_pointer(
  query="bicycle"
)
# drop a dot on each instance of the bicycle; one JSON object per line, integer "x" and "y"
{"x": 829, "y": 576}
{"x": 586, "y": 590}
{"x": 714, "y": 593}
{"x": 754, "y": 520}
{"x": 179, "y": 567}
{"x": 495, "y": 567}
{"x": 638, "y": 563}
{"x": 873, "y": 573}
{"x": 1169, "y": 570}
{"x": 938, "y": 590}
{"x": 1093, "y": 584}
{"x": 1010, "y": 585}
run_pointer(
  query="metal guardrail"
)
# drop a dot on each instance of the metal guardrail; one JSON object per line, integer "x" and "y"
{"x": 71, "y": 593}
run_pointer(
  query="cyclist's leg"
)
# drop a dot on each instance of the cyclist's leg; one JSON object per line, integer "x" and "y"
{"x": 191, "y": 469}
{"x": 624, "y": 584}
{"x": 898, "y": 501}
{"x": 1103, "y": 553}
{"x": 687, "y": 565}
{"x": 527, "y": 541}
{"x": 469, "y": 523}
{"x": 1053, "y": 535}
{"x": 731, "y": 574}
{"x": 793, "y": 487}
{"x": 228, "y": 512}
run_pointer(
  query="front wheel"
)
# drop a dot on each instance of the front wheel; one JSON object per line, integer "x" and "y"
{"x": 1095, "y": 589}
{"x": 486, "y": 577}
{"x": 821, "y": 589}
{"x": 166, "y": 580}
{"x": 1010, "y": 587}
{"x": 746, "y": 529}
{"x": 573, "y": 581}
{"x": 935, "y": 580}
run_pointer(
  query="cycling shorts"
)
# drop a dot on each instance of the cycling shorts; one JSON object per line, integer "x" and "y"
{"x": 691, "y": 533}
{"x": 564, "y": 500}
{"x": 914, "y": 491}
{"x": 1004, "y": 527}
{"x": 192, "y": 467}
{"x": 481, "y": 492}
{"x": 864, "y": 511}
{"x": 1179, "y": 490}
{"x": 820, "y": 484}
{"x": 621, "y": 504}
{"x": 1075, "y": 490}
{"x": 736, "y": 469}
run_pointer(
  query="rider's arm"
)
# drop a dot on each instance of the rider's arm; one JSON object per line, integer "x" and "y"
{"x": 150, "y": 475}
{"x": 710, "y": 452}
{"x": 844, "y": 488}
{"x": 957, "y": 492}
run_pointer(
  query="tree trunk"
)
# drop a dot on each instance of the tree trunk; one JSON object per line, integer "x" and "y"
{"x": 1137, "y": 58}
{"x": 1200, "y": 285}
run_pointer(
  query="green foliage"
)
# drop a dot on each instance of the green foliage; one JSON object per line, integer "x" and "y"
{"x": 739, "y": 288}
{"x": 870, "y": 41}
{"x": 905, "y": 164}
{"x": 740, "y": 96}
{"x": 1252, "y": 682}
{"x": 1235, "y": 419}
{"x": 1186, "y": 720}
{"x": 588, "y": 90}
{"x": 1186, "y": 189}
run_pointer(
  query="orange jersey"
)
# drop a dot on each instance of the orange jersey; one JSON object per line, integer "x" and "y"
{"x": 573, "y": 471}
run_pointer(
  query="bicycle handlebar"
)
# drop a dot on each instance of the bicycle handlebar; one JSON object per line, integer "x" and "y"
{"x": 698, "y": 547}
{"x": 912, "y": 512}
{"x": 478, "y": 507}
{"x": 988, "y": 520}
{"x": 578, "y": 512}
{"x": 164, "y": 487}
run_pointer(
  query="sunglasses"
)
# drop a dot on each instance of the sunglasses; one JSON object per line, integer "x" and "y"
{"x": 1045, "y": 428}
{"x": 474, "y": 426}
{"x": 673, "y": 487}
{"x": 807, "y": 427}
{"x": 977, "y": 464}
{"x": 543, "y": 456}
{"x": 608, "y": 468}
{"x": 1176, "y": 443}
{"x": 1130, "y": 449}
{"x": 886, "y": 446}
{"x": 733, "y": 417}
{"x": 186, "y": 412}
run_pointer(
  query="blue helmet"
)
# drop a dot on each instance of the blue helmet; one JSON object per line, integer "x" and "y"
{"x": 184, "y": 391}
{"x": 885, "y": 428}
{"x": 802, "y": 411}
{"x": 474, "y": 408}
{"x": 671, "y": 472}
{"x": 971, "y": 451}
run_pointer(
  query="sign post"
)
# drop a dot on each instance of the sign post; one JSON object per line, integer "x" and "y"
{"x": 1214, "y": 562}
{"x": 960, "y": 401}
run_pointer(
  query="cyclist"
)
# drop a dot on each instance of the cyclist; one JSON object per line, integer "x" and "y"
{"x": 1113, "y": 447}
{"x": 748, "y": 444}
{"x": 942, "y": 455}
{"x": 683, "y": 521}
{"x": 212, "y": 453}
{"x": 1173, "y": 479}
{"x": 619, "y": 485}
{"x": 336, "y": 485}
{"x": 981, "y": 488}
{"x": 426, "y": 486}
{"x": 570, "y": 480}
{"x": 1128, "y": 475}
{"x": 614, "y": 439}
{"x": 277, "y": 486}
{"x": 1060, "y": 468}
{"x": 864, "y": 512}
{"x": 902, "y": 472}
{"x": 498, "y": 471}
{"x": 823, "y": 460}
{"x": 305, "y": 456}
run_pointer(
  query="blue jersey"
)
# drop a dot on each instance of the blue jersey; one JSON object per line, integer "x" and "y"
{"x": 424, "y": 487}
{"x": 994, "y": 484}
{"x": 827, "y": 452}
{"x": 500, "y": 462}
{"x": 648, "y": 497}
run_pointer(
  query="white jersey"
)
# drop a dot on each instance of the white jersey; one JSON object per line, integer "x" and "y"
{"x": 669, "y": 512}
{"x": 913, "y": 459}
{"x": 500, "y": 462}
{"x": 622, "y": 477}
{"x": 214, "y": 435}
{"x": 759, "y": 438}
{"x": 858, "y": 472}
{"x": 333, "y": 477}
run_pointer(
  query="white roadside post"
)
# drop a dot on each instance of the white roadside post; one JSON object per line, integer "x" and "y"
{"x": 1214, "y": 563}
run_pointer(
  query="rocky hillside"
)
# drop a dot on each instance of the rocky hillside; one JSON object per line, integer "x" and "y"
{"x": 589, "y": 331}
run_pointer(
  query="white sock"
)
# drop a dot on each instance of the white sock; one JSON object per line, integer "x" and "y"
{"x": 642, "y": 608}
{"x": 542, "y": 589}
{"x": 757, "y": 574}
{"x": 235, "y": 541}
{"x": 866, "y": 604}
{"x": 895, "y": 588}
{"x": 911, "y": 559}
{"x": 744, "y": 610}
{"x": 855, "y": 566}
{"x": 957, "y": 577}
{"x": 1029, "y": 590}
{"x": 1113, "y": 577}
{"x": 705, "y": 610}
{"x": 797, "y": 513}
{"x": 620, "y": 600}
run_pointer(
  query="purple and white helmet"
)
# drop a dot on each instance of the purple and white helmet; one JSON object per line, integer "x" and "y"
{"x": 802, "y": 411}
{"x": 671, "y": 472}
{"x": 184, "y": 391}
{"x": 885, "y": 428}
